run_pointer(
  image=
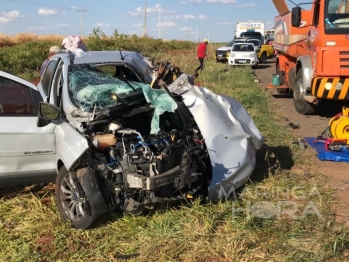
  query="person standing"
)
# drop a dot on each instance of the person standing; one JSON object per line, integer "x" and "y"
{"x": 201, "y": 55}
{"x": 52, "y": 52}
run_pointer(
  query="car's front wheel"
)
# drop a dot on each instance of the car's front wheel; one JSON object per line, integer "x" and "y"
{"x": 302, "y": 106}
{"x": 71, "y": 202}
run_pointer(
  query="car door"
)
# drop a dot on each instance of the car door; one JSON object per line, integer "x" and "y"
{"x": 27, "y": 152}
{"x": 70, "y": 143}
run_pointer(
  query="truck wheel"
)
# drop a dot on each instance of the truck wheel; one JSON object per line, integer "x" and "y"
{"x": 302, "y": 106}
{"x": 70, "y": 203}
{"x": 263, "y": 59}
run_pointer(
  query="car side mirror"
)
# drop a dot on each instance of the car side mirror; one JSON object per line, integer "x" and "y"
{"x": 296, "y": 16}
{"x": 48, "y": 113}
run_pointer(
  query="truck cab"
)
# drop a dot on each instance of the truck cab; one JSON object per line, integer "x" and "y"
{"x": 269, "y": 36}
{"x": 313, "y": 52}
{"x": 253, "y": 35}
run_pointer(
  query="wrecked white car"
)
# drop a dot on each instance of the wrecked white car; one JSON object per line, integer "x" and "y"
{"x": 118, "y": 143}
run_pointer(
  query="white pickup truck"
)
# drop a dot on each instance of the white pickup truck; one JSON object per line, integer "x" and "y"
{"x": 96, "y": 127}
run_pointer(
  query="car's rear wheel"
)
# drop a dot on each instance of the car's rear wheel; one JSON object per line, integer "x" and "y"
{"x": 71, "y": 202}
{"x": 263, "y": 59}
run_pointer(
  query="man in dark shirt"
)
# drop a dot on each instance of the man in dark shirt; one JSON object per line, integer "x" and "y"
{"x": 201, "y": 55}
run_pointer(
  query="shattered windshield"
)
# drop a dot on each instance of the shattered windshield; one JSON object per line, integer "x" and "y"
{"x": 255, "y": 42}
{"x": 91, "y": 88}
{"x": 337, "y": 16}
{"x": 230, "y": 43}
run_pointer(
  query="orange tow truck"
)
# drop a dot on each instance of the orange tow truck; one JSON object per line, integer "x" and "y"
{"x": 312, "y": 49}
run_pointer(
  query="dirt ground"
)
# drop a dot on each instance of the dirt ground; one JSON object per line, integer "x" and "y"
{"x": 311, "y": 126}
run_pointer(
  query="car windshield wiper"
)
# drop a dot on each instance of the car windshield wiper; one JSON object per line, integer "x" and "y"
{"x": 126, "y": 81}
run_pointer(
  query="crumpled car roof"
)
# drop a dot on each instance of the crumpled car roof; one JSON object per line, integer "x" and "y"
{"x": 133, "y": 58}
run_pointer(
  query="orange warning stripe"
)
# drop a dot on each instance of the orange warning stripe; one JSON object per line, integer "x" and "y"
{"x": 318, "y": 88}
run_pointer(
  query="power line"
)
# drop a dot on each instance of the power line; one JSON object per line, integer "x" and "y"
{"x": 159, "y": 21}
{"x": 137, "y": 1}
{"x": 83, "y": 20}
{"x": 188, "y": 31}
{"x": 33, "y": 4}
{"x": 58, "y": 7}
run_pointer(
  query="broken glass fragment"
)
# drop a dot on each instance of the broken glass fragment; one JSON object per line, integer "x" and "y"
{"x": 162, "y": 102}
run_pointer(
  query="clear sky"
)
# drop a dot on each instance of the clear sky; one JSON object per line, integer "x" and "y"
{"x": 212, "y": 19}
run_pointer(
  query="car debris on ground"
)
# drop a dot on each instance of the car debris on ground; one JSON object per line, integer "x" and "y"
{"x": 301, "y": 142}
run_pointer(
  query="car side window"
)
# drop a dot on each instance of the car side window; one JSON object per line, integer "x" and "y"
{"x": 126, "y": 73}
{"x": 15, "y": 98}
{"x": 47, "y": 77}
{"x": 57, "y": 86}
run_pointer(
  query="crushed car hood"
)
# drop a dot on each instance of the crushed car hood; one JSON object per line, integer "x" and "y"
{"x": 230, "y": 135}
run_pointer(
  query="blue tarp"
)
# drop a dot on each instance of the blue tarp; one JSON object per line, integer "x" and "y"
{"x": 323, "y": 155}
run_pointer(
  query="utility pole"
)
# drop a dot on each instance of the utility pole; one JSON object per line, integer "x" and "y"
{"x": 196, "y": 35}
{"x": 188, "y": 31}
{"x": 159, "y": 21}
{"x": 82, "y": 22}
{"x": 145, "y": 18}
